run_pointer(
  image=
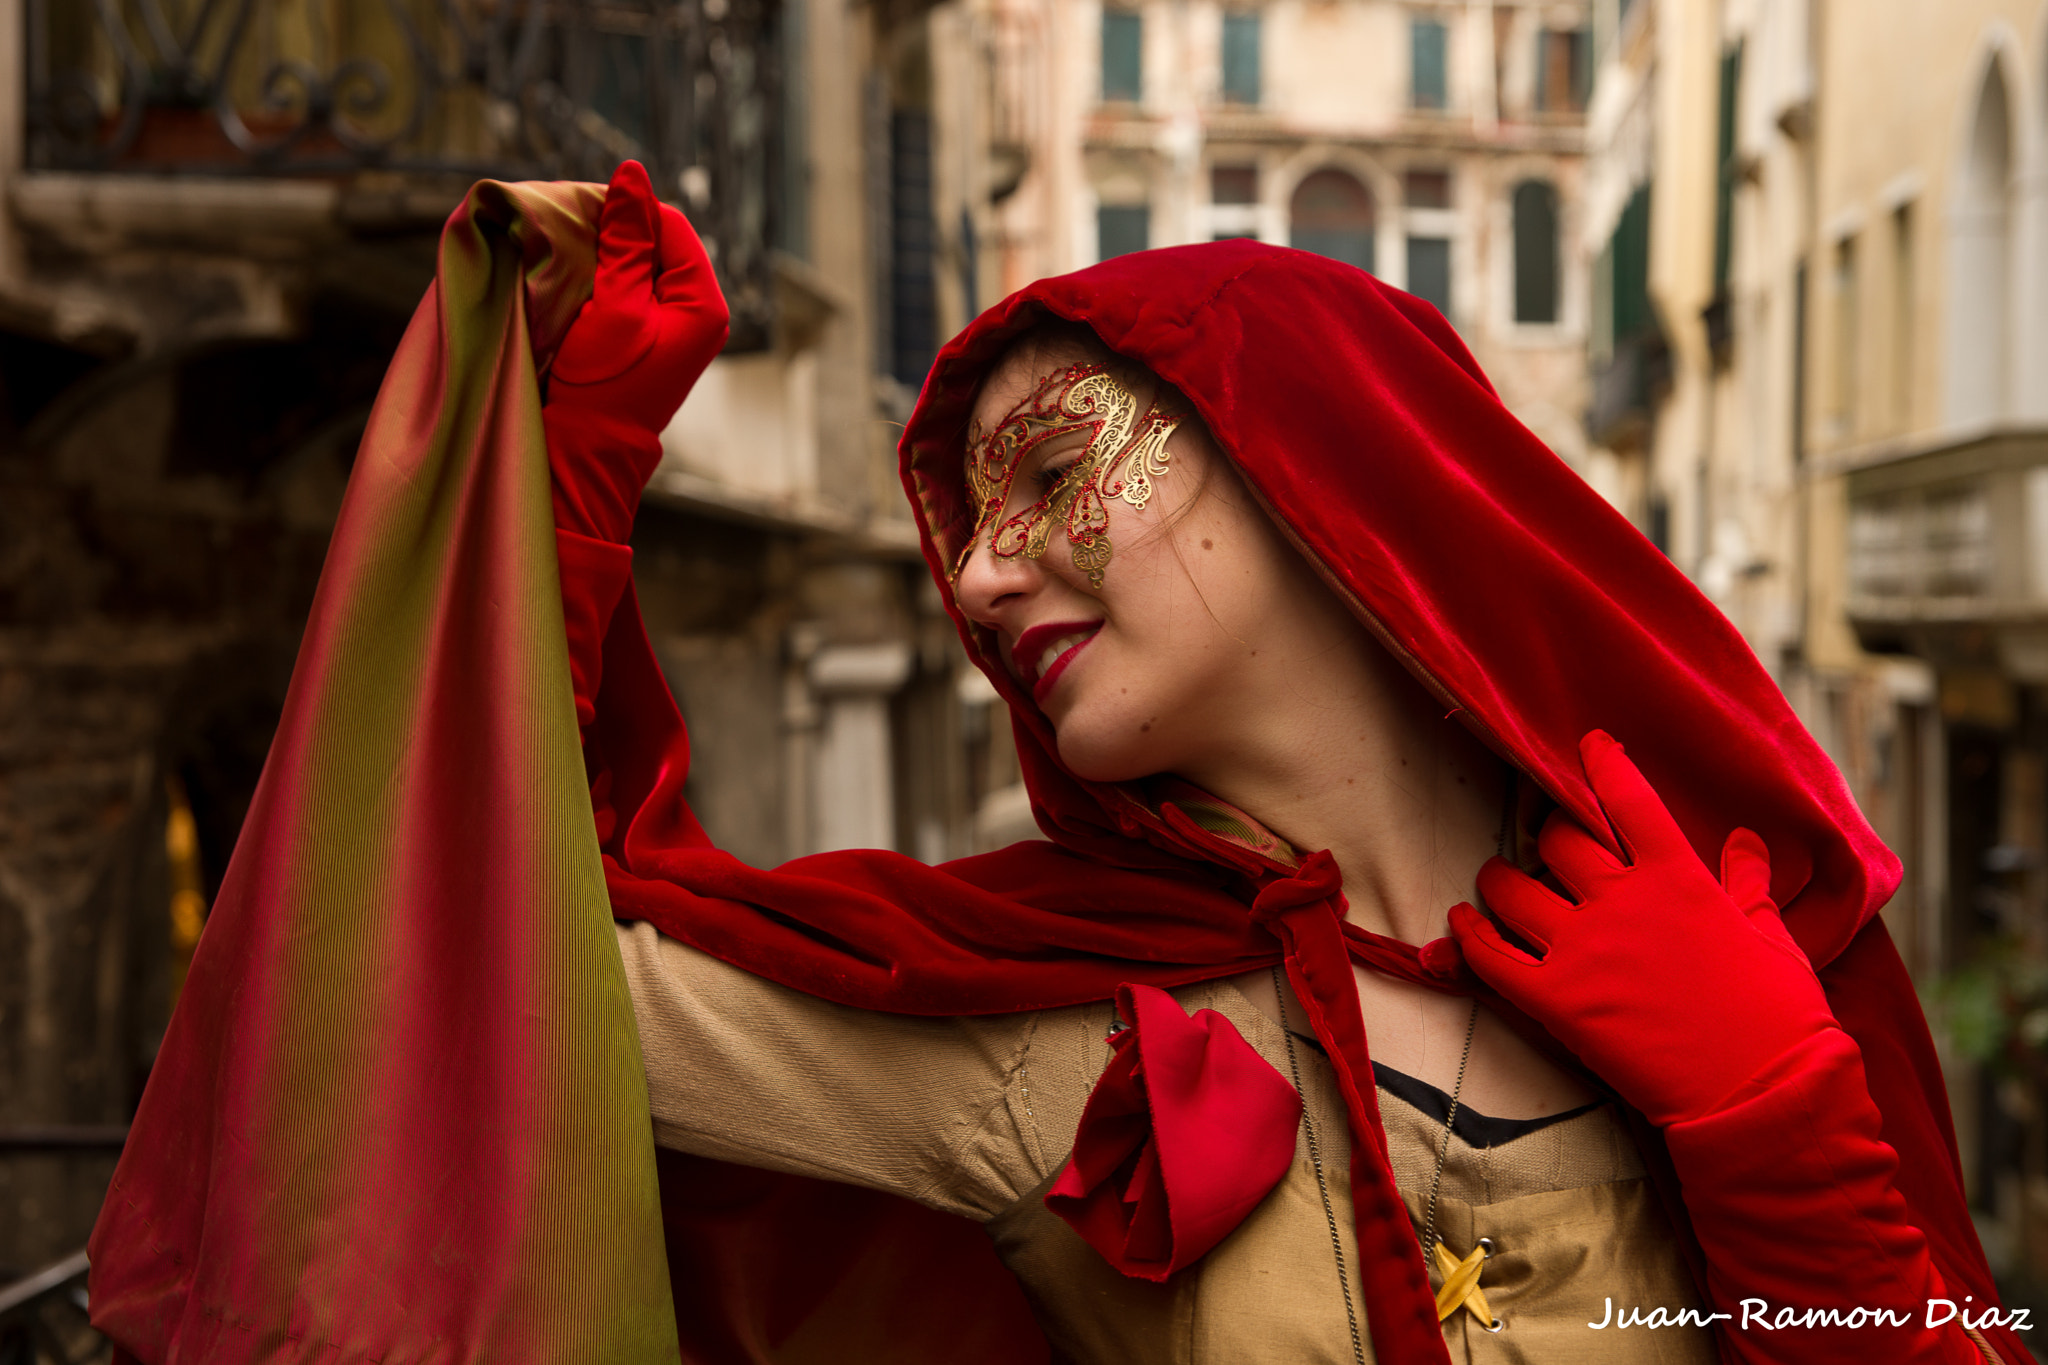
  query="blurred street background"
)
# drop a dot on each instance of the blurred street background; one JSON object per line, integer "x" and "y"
{"x": 1772, "y": 275}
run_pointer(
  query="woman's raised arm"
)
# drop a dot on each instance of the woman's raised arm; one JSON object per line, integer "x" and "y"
{"x": 738, "y": 1067}
{"x": 653, "y": 323}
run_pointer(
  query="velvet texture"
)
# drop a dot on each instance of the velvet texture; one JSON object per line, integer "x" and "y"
{"x": 1770, "y": 1124}
{"x": 1642, "y": 959}
{"x": 401, "y": 1056}
{"x": 1514, "y": 593}
{"x": 1534, "y": 612}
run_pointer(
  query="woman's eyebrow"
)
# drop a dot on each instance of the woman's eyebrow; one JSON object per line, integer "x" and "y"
{"x": 977, "y": 433}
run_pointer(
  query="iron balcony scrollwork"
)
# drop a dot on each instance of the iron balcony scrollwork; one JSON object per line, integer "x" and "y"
{"x": 511, "y": 89}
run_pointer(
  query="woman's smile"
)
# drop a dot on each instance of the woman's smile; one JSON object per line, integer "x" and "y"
{"x": 1043, "y": 652}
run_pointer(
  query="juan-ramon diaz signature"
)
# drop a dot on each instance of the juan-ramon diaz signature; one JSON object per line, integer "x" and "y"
{"x": 1758, "y": 1313}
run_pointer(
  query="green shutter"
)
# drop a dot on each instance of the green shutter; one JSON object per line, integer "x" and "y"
{"x": 1241, "y": 58}
{"x": 1724, "y": 190}
{"x": 1426, "y": 70}
{"x": 1122, "y": 230}
{"x": 1429, "y": 271}
{"x": 1123, "y": 45}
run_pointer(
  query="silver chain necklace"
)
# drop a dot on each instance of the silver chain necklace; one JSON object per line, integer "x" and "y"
{"x": 1432, "y": 1247}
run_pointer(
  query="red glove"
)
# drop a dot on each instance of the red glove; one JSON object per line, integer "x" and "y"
{"x": 1639, "y": 978}
{"x": 1688, "y": 996}
{"x": 653, "y": 322}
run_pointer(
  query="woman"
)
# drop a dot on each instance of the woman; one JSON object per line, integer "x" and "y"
{"x": 1300, "y": 631}
{"x": 1190, "y": 548}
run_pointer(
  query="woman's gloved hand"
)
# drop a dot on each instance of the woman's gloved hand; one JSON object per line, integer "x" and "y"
{"x": 653, "y": 323}
{"x": 1686, "y": 994}
{"x": 1677, "y": 988}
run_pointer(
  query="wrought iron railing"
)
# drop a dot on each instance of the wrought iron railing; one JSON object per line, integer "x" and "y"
{"x": 513, "y": 89}
{"x": 43, "y": 1318}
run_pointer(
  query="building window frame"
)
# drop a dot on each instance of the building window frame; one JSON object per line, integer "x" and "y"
{"x": 1121, "y": 229}
{"x": 1343, "y": 232}
{"x": 1845, "y": 298}
{"x": 1564, "y": 70}
{"x": 1242, "y": 58}
{"x": 1429, "y": 64}
{"x": 1905, "y": 272}
{"x": 1727, "y": 166}
{"x": 1122, "y": 55}
{"x": 1236, "y": 206}
{"x": 1430, "y": 269}
{"x": 1534, "y": 211}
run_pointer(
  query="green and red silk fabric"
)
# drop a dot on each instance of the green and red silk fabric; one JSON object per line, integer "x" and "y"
{"x": 400, "y": 1114}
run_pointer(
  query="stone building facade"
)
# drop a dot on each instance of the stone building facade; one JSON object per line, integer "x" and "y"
{"x": 1437, "y": 143}
{"x": 210, "y": 241}
{"x": 1827, "y": 343}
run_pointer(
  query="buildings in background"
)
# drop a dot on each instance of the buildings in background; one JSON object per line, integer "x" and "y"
{"x": 1438, "y": 144}
{"x": 214, "y": 225}
{"x": 1821, "y": 341}
{"x": 1767, "y": 272}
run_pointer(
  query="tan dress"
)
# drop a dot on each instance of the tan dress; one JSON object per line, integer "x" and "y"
{"x": 975, "y": 1116}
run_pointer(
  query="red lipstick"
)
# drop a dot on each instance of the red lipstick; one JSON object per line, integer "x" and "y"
{"x": 1028, "y": 656}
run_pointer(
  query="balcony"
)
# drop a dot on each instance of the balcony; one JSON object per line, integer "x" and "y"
{"x": 1624, "y": 387}
{"x": 359, "y": 100}
{"x": 1948, "y": 549}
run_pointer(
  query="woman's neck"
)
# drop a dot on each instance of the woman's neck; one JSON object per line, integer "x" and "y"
{"x": 1354, "y": 756}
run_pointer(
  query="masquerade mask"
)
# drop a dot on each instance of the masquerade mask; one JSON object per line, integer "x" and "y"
{"x": 1124, "y": 453}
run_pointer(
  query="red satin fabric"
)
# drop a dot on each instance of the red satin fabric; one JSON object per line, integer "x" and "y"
{"x": 1520, "y": 597}
{"x": 1186, "y": 1132}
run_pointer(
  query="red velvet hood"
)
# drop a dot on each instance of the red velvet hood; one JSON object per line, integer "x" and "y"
{"x": 1505, "y": 583}
{"x": 404, "y": 1056}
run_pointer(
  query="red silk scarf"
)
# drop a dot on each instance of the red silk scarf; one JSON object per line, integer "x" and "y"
{"x": 399, "y": 1114}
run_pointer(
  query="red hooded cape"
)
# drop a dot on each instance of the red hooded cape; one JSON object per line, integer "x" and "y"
{"x": 1510, "y": 588}
{"x": 264, "y": 1210}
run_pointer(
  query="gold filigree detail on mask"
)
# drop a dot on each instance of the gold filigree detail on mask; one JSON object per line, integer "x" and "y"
{"x": 1125, "y": 454}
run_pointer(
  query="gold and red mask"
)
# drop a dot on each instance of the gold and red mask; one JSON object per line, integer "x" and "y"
{"x": 1122, "y": 452}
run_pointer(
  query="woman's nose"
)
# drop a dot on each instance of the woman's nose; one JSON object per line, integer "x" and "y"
{"x": 989, "y": 583}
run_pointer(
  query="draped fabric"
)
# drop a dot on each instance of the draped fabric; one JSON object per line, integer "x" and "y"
{"x": 1485, "y": 564}
{"x": 399, "y": 1113}
{"x": 1508, "y": 587}
{"x": 404, "y": 1060}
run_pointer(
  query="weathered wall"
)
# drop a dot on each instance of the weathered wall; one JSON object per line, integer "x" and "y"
{"x": 162, "y": 523}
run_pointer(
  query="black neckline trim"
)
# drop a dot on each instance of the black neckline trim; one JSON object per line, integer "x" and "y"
{"x": 1473, "y": 1128}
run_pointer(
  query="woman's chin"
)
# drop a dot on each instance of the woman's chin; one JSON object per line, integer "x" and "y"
{"x": 1092, "y": 755}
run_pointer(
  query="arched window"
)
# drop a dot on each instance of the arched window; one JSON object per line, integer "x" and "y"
{"x": 1535, "y": 208}
{"x": 1332, "y": 215}
{"x": 1980, "y": 246}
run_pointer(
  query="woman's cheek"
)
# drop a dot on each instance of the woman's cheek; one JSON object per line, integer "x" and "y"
{"x": 1112, "y": 739}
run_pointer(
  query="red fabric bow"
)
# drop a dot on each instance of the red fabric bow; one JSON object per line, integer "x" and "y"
{"x": 1186, "y": 1132}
